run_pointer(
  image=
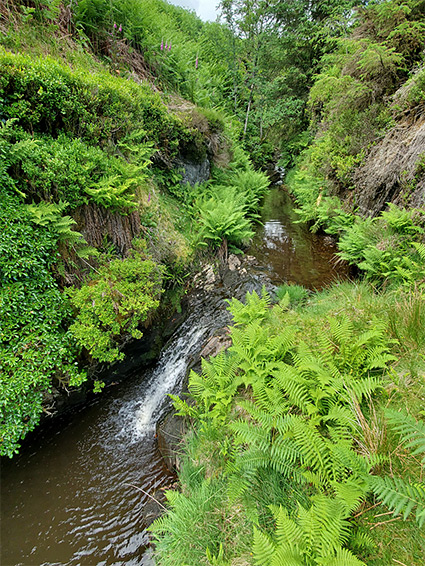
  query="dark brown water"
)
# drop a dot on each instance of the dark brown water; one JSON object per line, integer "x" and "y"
{"x": 288, "y": 251}
{"x": 66, "y": 500}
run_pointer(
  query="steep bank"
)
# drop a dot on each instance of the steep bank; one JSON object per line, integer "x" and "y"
{"x": 394, "y": 169}
{"x": 105, "y": 204}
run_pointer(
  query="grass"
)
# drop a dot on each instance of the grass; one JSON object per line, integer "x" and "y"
{"x": 396, "y": 542}
{"x": 393, "y": 540}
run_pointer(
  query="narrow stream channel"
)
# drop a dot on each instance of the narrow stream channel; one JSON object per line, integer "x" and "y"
{"x": 69, "y": 497}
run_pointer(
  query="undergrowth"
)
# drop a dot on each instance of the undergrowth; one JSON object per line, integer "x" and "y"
{"x": 289, "y": 426}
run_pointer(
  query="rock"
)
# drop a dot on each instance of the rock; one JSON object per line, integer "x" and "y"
{"x": 216, "y": 344}
{"x": 233, "y": 262}
{"x": 147, "y": 558}
{"x": 206, "y": 279}
{"x": 392, "y": 171}
{"x": 193, "y": 171}
{"x": 170, "y": 432}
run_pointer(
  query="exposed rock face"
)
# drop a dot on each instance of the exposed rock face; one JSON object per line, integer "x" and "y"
{"x": 234, "y": 278}
{"x": 193, "y": 171}
{"x": 394, "y": 171}
{"x": 170, "y": 432}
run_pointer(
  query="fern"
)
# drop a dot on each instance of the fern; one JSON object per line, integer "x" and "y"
{"x": 255, "y": 308}
{"x": 343, "y": 557}
{"x": 50, "y": 215}
{"x": 400, "y": 496}
{"x": 315, "y": 537}
{"x": 263, "y": 547}
{"x": 412, "y": 432}
{"x": 420, "y": 250}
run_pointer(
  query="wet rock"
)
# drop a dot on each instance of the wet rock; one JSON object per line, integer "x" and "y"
{"x": 193, "y": 171}
{"x": 170, "y": 432}
{"x": 216, "y": 344}
{"x": 206, "y": 279}
{"x": 147, "y": 558}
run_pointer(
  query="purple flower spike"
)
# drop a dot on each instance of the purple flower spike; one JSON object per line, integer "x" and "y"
{"x": 149, "y": 196}
{"x": 115, "y": 26}
{"x": 162, "y": 45}
{"x": 166, "y": 46}
{"x": 169, "y": 46}
{"x": 196, "y": 62}
{"x": 120, "y": 29}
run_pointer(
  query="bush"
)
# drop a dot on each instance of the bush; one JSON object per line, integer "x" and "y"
{"x": 121, "y": 296}
{"x": 35, "y": 345}
{"x": 47, "y": 97}
{"x": 296, "y": 294}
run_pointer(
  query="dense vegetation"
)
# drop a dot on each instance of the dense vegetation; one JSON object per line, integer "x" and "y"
{"x": 308, "y": 433}
{"x": 79, "y": 146}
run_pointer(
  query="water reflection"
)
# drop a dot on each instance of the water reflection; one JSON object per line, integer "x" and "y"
{"x": 288, "y": 251}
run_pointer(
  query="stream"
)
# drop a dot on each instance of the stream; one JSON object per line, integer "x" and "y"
{"x": 79, "y": 491}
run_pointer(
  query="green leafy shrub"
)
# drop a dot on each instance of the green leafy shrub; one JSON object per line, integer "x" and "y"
{"x": 287, "y": 410}
{"x": 35, "y": 347}
{"x": 121, "y": 296}
{"x": 47, "y": 97}
{"x": 315, "y": 206}
{"x": 315, "y": 537}
{"x": 398, "y": 494}
{"x": 252, "y": 185}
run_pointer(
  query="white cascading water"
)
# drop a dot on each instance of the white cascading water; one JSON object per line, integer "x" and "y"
{"x": 166, "y": 378}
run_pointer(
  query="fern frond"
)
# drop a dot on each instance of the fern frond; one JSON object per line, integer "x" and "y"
{"x": 363, "y": 388}
{"x": 341, "y": 330}
{"x": 420, "y": 249}
{"x": 287, "y": 530}
{"x": 287, "y": 556}
{"x": 295, "y": 387}
{"x": 340, "y": 416}
{"x": 342, "y": 557}
{"x": 324, "y": 527}
{"x": 263, "y": 548}
{"x": 401, "y": 497}
{"x": 350, "y": 493}
{"x": 312, "y": 446}
{"x": 412, "y": 432}
{"x": 247, "y": 433}
{"x": 360, "y": 539}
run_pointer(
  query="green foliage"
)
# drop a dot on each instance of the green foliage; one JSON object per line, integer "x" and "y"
{"x": 120, "y": 296}
{"x": 297, "y": 294}
{"x": 251, "y": 185}
{"x": 288, "y": 409}
{"x": 35, "y": 346}
{"x": 49, "y": 214}
{"x": 412, "y": 432}
{"x": 315, "y": 206}
{"x": 223, "y": 219}
{"x": 399, "y": 495}
{"x": 225, "y": 205}
{"x": 385, "y": 247}
{"x": 47, "y": 97}
{"x": 174, "y": 532}
{"x": 349, "y": 101}
{"x": 288, "y": 415}
{"x": 316, "y": 537}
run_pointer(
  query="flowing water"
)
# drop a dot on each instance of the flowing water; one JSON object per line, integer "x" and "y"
{"x": 289, "y": 252}
{"x": 73, "y": 496}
